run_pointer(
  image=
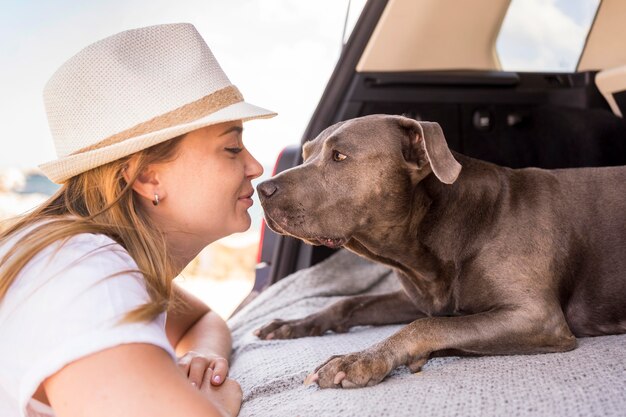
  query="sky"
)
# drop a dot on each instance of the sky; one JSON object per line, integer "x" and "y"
{"x": 279, "y": 53}
{"x": 544, "y": 35}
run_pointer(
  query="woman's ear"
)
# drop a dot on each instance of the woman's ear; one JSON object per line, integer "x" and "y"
{"x": 147, "y": 183}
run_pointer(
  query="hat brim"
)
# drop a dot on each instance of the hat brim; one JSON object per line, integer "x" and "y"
{"x": 60, "y": 170}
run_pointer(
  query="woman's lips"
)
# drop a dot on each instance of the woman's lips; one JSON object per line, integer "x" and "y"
{"x": 246, "y": 199}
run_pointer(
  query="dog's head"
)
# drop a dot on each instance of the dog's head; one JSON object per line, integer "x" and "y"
{"x": 356, "y": 175}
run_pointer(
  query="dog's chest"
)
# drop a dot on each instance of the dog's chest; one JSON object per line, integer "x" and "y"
{"x": 432, "y": 297}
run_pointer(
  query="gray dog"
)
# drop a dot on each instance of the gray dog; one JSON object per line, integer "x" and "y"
{"x": 491, "y": 260}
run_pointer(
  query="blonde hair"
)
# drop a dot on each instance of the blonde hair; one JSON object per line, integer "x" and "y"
{"x": 101, "y": 201}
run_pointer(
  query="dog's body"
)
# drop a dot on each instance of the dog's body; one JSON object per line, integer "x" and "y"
{"x": 492, "y": 260}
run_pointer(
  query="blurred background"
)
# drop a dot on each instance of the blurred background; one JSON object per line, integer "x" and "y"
{"x": 280, "y": 53}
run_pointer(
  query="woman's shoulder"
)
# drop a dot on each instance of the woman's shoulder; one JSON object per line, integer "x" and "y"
{"x": 88, "y": 256}
{"x": 74, "y": 246}
{"x": 81, "y": 270}
{"x": 97, "y": 244}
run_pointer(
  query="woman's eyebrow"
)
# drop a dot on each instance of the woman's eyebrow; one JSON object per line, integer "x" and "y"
{"x": 237, "y": 129}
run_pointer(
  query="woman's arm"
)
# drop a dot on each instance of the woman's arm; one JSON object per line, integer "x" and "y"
{"x": 135, "y": 380}
{"x": 200, "y": 337}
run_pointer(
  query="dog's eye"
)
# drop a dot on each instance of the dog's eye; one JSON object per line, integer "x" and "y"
{"x": 338, "y": 156}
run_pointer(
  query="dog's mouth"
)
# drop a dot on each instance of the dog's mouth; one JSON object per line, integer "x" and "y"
{"x": 331, "y": 242}
{"x": 273, "y": 224}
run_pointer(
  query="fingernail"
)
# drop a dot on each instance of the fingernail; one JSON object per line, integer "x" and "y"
{"x": 217, "y": 379}
{"x": 193, "y": 384}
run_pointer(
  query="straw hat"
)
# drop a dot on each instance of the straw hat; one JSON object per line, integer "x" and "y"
{"x": 134, "y": 90}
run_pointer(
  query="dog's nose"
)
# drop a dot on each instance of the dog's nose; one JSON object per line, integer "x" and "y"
{"x": 267, "y": 188}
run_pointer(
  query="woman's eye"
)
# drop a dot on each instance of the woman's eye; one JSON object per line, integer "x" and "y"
{"x": 338, "y": 156}
{"x": 234, "y": 150}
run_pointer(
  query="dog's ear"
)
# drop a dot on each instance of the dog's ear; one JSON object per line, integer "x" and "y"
{"x": 427, "y": 143}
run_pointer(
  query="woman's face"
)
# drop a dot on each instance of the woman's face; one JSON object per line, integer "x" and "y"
{"x": 205, "y": 192}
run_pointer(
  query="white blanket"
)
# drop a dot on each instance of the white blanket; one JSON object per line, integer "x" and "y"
{"x": 589, "y": 381}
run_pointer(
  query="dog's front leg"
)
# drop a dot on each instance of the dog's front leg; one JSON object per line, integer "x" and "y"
{"x": 493, "y": 332}
{"x": 360, "y": 310}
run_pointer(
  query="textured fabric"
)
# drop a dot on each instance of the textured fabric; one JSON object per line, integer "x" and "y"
{"x": 94, "y": 94}
{"x": 65, "y": 304}
{"x": 187, "y": 113}
{"x": 60, "y": 170}
{"x": 588, "y": 381}
{"x": 128, "y": 82}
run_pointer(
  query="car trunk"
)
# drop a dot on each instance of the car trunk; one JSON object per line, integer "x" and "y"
{"x": 514, "y": 119}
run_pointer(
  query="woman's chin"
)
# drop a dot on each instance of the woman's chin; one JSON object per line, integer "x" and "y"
{"x": 244, "y": 223}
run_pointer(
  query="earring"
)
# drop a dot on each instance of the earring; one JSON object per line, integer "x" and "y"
{"x": 156, "y": 200}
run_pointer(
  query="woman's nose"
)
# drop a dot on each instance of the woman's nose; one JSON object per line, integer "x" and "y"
{"x": 253, "y": 168}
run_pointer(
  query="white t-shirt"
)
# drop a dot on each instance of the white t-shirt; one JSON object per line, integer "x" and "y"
{"x": 65, "y": 305}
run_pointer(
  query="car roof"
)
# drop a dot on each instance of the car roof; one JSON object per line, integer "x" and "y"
{"x": 418, "y": 35}
{"x": 605, "y": 43}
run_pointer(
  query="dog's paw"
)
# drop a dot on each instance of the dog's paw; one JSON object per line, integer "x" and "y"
{"x": 361, "y": 369}
{"x": 289, "y": 329}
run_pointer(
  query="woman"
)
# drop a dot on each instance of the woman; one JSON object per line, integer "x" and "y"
{"x": 148, "y": 130}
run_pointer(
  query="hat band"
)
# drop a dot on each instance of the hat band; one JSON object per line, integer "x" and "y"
{"x": 184, "y": 114}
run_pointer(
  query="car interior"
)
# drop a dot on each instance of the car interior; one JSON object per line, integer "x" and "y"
{"x": 404, "y": 58}
{"x": 433, "y": 62}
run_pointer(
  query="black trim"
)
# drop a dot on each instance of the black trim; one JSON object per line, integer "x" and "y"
{"x": 620, "y": 100}
{"x": 444, "y": 78}
{"x": 566, "y": 89}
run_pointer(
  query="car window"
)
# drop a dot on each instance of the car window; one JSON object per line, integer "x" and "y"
{"x": 544, "y": 35}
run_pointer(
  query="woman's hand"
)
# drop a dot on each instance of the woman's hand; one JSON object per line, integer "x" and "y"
{"x": 209, "y": 373}
{"x": 203, "y": 369}
{"x": 227, "y": 396}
